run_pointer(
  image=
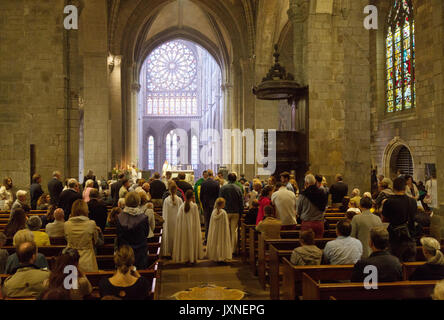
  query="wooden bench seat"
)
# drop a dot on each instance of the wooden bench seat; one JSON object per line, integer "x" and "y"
{"x": 401, "y": 290}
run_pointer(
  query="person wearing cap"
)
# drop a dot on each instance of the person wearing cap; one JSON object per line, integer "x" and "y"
{"x": 41, "y": 239}
{"x": 433, "y": 269}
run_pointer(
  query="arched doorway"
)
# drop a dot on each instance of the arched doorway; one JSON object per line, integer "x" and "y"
{"x": 398, "y": 158}
{"x": 179, "y": 101}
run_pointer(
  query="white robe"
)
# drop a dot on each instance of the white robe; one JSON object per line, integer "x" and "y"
{"x": 188, "y": 238}
{"x": 169, "y": 214}
{"x": 219, "y": 239}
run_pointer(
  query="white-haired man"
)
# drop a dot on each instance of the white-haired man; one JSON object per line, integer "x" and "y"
{"x": 68, "y": 197}
{"x": 56, "y": 229}
{"x": 311, "y": 205}
{"x": 20, "y": 203}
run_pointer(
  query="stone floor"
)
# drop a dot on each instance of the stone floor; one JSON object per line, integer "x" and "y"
{"x": 234, "y": 275}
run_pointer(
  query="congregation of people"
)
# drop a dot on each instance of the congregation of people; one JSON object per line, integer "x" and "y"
{"x": 381, "y": 228}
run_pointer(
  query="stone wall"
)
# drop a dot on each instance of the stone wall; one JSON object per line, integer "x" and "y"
{"x": 337, "y": 72}
{"x": 420, "y": 128}
{"x": 32, "y": 89}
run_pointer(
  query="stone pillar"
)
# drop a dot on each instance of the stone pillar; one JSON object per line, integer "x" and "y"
{"x": 115, "y": 93}
{"x": 94, "y": 49}
{"x": 298, "y": 14}
{"x": 134, "y": 132}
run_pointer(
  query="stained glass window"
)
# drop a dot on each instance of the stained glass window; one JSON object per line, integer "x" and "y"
{"x": 400, "y": 57}
{"x": 194, "y": 152}
{"x": 171, "y": 148}
{"x": 151, "y": 153}
{"x": 172, "y": 80}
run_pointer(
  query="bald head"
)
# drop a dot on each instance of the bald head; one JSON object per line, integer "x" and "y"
{"x": 59, "y": 214}
{"x": 27, "y": 252}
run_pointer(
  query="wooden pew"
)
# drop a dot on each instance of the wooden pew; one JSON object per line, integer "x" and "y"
{"x": 244, "y": 235}
{"x": 400, "y": 290}
{"x": 284, "y": 244}
{"x": 95, "y": 277}
{"x": 276, "y": 262}
{"x": 292, "y": 276}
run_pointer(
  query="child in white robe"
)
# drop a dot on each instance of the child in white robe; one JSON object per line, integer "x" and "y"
{"x": 187, "y": 246}
{"x": 219, "y": 239}
{"x": 170, "y": 211}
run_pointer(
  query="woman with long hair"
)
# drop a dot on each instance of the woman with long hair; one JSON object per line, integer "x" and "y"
{"x": 219, "y": 247}
{"x": 69, "y": 258}
{"x": 264, "y": 201}
{"x": 43, "y": 202}
{"x": 188, "y": 236}
{"x": 6, "y": 197}
{"x": 17, "y": 222}
{"x": 170, "y": 211}
{"x": 82, "y": 234}
{"x": 126, "y": 283}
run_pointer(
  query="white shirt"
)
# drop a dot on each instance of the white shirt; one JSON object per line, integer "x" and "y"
{"x": 285, "y": 202}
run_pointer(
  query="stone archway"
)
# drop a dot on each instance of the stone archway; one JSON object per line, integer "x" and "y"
{"x": 391, "y": 160}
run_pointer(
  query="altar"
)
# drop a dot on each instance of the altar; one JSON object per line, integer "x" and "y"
{"x": 189, "y": 173}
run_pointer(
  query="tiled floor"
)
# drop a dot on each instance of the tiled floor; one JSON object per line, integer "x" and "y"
{"x": 234, "y": 275}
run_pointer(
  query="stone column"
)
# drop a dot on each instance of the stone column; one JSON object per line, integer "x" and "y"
{"x": 298, "y": 14}
{"x": 134, "y": 131}
{"x": 94, "y": 49}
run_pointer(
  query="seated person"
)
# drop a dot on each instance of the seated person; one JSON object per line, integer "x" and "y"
{"x": 27, "y": 281}
{"x": 56, "y": 229}
{"x": 434, "y": 267}
{"x": 270, "y": 227}
{"x": 353, "y": 205}
{"x": 344, "y": 249}
{"x": 13, "y": 262}
{"x": 41, "y": 239}
{"x": 251, "y": 216}
{"x": 388, "y": 266}
{"x": 3, "y": 253}
{"x": 126, "y": 283}
{"x": 438, "y": 291}
{"x": 308, "y": 253}
{"x": 69, "y": 257}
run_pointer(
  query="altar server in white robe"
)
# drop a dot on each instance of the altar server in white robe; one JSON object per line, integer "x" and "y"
{"x": 170, "y": 210}
{"x": 219, "y": 239}
{"x": 188, "y": 238}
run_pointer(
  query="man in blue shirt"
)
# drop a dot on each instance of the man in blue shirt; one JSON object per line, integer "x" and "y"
{"x": 344, "y": 249}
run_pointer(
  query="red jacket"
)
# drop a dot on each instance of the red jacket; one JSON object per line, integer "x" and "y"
{"x": 263, "y": 202}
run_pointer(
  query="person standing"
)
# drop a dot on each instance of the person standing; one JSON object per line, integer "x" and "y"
{"x": 219, "y": 243}
{"x": 157, "y": 189}
{"x": 209, "y": 192}
{"x": 6, "y": 197}
{"x": 97, "y": 209}
{"x": 81, "y": 233}
{"x": 234, "y": 206}
{"x": 264, "y": 201}
{"x": 363, "y": 223}
{"x": 115, "y": 189}
{"x": 431, "y": 199}
{"x": 285, "y": 202}
{"x": 311, "y": 205}
{"x": 187, "y": 246}
{"x": 170, "y": 211}
{"x": 285, "y": 180}
{"x": 400, "y": 211}
{"x": 35, "y": 191}
{"x": 133, "y": 229}
{"x": 182, "y": 184}
{"x": 338, "y": 191}
{"x": 68, "y": 197}
{"x": 55, "y": 187}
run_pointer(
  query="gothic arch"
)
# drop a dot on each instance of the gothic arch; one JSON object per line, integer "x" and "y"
{"x": 391, "y": 153}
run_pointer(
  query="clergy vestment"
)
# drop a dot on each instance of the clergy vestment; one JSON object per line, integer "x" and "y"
{"x": 169, "y": 214}
{"x": 188, "y": 237}
{"x": 219, "y": 238}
